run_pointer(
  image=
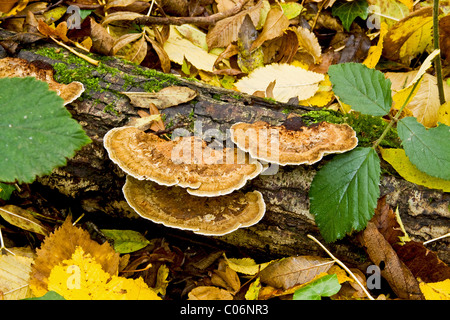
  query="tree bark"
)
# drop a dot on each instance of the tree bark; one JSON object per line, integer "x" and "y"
{"x": 94, "y": 182}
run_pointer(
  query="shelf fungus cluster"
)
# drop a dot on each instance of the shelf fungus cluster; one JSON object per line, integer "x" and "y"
{"x": 186, "y": 184}
{"x": 293, "y": 146}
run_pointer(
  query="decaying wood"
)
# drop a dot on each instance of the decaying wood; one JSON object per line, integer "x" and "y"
{"x": 95, "y": 183}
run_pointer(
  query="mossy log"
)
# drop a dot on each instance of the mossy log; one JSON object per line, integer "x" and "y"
{"x": 94, "y": 183}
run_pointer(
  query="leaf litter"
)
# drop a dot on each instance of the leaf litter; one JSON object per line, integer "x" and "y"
{"x": 281, "y": 51}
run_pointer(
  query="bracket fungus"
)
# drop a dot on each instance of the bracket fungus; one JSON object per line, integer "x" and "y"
{"x": 174, "y": 207}
{"x": 186, "y": 162}
{"x": 17, "y": 67}
{"x": 304, "y": 145}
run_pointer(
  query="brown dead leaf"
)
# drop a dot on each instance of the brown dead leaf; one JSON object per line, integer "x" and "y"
{"x": 386, "y": 222}
{"x": 60, "y": 32}
{"x": 292, "y": 271}
{"x": 60, "y": 245}
{"x": 209, "y": 293}
{"x": 444, "y": 37}
{"x": 102, "y": 41}
{"x": 309, "y": 43}
{"x": 226, "y": 277}
{"x": 226, "y": 30}
{"x": 276, "y": 23}
{"x": 165, "y": 98}
{"x": 423, "y": 263}
{"x": 396, "y": 273}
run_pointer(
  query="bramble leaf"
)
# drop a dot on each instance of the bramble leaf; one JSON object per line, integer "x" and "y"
{"x": 365, "y": 90}
{"x": 37, "y": 133}
{"x": 428, "y": 150}
{"x": 344, "y": 193}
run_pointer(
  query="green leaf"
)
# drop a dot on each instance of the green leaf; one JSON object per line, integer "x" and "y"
{"x": 348, "y": 11}
{"x": 428, "y": 150}
{"x": 6, "y": 190}
{"x": 365, "y": 90}
{"x": 126, "y": 241}
{"x": 50, "y": 295}
{"x": 291, "y": 9}
{"x": 37, "y": 133}
{"x": 325, "y": 286}
{"x": 344, "y": 193}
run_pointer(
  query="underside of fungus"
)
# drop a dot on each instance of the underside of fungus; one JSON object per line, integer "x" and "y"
{"x": 186, "y": 162}
{"x": 174, "y": 207}
{"x": 305, "y": 145}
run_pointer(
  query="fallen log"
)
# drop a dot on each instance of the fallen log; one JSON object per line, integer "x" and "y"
{"x": 93, "y": 182}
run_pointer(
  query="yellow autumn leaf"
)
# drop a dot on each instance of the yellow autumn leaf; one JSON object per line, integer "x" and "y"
{"x": 436, "y": 290}
{"x": 444, "y": 113}
{"x": 253, "y": 290}
{"x": 400, "y": 162}
{"x": 409, "y": 36}
{"x": 82, "y": 278}
{"x": 340, "y": 273}
{"x": 322, "y": 97}
{"x": 246, "y": 265}
{"x": 399, "y": 97}
{"x": 374, "y": 54}
{"x": 291, "y": 82}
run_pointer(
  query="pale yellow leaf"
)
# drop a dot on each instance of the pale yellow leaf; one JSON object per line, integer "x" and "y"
{"x": 322, "y": 97}
{"x": 400, "y": 162}
{"x": 14, "y": 276}
{"x": 179, "y": 48}
{"x": 246, "y": 265}
{"x": 291, "y": 82}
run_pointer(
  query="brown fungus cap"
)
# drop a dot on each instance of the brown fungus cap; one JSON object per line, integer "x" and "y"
{"x": 186, "y": 162}
{"x": 305, "y": 145}
{"x": 16, "y": 67}
{"x": 174, "y": 207}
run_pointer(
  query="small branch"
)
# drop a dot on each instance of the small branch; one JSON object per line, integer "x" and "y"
{"x": 342, "y": 265}
{"x": 437, "y": 60}
{"x": 397, "y": 116}
{"x": 199, "y": 21}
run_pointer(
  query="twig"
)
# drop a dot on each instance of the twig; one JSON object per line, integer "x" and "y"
{"x": 178, "y": 21}
{"x": 437, "y": 60}
{"x": 438, "y": 238}
{"x": 78, "y": 54}
{"x": 342, "y": 265}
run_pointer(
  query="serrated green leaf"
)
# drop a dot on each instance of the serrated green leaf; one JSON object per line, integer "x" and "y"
{"x": 37, "y": 133}
{"x": 347, "y": 11}
{"x": 325, "y": 286}
{"x": 344, "y": 193}
{"x": 428, "y": 150}
{"x": 365, "y": 90}
{"x": 126, "y": 241}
